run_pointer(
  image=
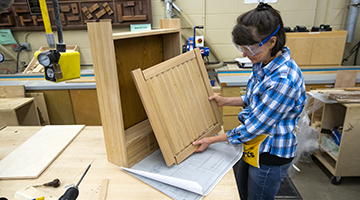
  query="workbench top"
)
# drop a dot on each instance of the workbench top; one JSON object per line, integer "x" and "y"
{"x": 38, "y": 82}
{"x": 87, "y": 147}
{"x": 326, "y": 75}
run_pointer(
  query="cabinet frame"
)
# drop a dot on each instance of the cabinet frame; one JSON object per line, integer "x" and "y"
{"x": 127, "y": 132}
{"x": 347, "y": 162}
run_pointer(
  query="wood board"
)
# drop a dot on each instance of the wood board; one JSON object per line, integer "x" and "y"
{"x": 31, "y": 158}
{"x": 175, "y": 97}
{"x": 346, "y": 78}
{"x": 40, "y": 104}
{"x": 18, "y": 111}
{"x": 12, "y": 91}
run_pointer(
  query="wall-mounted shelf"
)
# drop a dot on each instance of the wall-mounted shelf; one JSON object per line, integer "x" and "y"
{"x": 76, "y": 13}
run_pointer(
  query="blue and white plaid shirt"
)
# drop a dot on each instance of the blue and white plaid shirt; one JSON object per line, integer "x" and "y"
{"x": 274, "y": 99}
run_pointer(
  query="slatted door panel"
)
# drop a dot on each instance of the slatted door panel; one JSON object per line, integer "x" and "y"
{"x": 175, "y": 96}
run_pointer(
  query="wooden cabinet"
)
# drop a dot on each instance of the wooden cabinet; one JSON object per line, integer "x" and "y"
{"x": 314, "y": 49}
{"x": 348, "y": 161}
{"x": 230, "y": 113}
{"x": 127, "y": 131}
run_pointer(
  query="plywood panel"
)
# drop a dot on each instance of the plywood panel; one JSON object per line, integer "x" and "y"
{"x": 175, "y": 96}
{"x": 86, "y": 107}
{"x": 300, "y": 49}
{"x": 328, "y": 50}
{"x": 346, "y": 78}
{"x": 133, "y": 53}
{"x": 31, "y": 158}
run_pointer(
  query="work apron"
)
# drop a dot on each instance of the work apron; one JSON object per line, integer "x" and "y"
{"x": 251, "y": 150}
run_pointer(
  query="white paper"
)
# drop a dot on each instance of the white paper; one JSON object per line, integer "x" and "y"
{"x": 206, "y": 169}
{"x": 243, "y": 60}
{"x": 257, "y": 1}
{"x": 191, "y": 186}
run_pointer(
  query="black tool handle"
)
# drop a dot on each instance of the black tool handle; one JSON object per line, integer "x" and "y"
{"x": 70, "y": 194}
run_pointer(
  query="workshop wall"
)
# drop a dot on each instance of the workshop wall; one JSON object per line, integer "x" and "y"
{"x": 218, "y": 18}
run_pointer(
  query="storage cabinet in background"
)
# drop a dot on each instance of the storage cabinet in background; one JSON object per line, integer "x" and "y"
{"x": 348, "y": 161}
{"x": 316, "y": 49}
{"x": 230, "y": 113}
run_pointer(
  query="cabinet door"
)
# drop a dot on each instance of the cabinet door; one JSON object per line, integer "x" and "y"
{"x": 175, "y": 97}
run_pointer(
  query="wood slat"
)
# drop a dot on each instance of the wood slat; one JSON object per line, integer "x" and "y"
{"x": 188, "y": 89}
{"x": 103, "y": 54}
{"x": 164, "y": 106}
{"x": 209, "y": 89}
{"x": 178, "y": 117}
{"x": 126, "y": 35}
{"x": 183, "y": 105}
{"x": 204, "y": 93}
{"x": 201, "y": 119}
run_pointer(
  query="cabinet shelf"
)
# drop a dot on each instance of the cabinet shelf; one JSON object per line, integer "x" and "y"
{"x": 346, "y": 115}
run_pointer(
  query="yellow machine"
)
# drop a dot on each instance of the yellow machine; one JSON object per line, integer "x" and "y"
{"x": 66, "y": 67}
{"x": 59, "y": 64}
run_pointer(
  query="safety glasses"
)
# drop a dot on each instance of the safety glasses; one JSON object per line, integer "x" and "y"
{"x": 252, "y": 50}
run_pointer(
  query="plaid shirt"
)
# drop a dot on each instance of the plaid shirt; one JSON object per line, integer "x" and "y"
{"x": 274, "y": 99}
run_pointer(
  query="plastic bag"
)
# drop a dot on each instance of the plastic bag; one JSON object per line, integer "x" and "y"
{"x": 328, "y": 144}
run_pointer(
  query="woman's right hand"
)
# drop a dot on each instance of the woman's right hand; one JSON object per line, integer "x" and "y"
{"x": 220, "y": 101}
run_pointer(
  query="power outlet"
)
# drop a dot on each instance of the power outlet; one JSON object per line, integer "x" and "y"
{"x": 15, "y": 47}
{"x": 27, "y": 46}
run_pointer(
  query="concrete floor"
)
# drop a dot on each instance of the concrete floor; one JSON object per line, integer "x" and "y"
{"x": 313, "y": 183}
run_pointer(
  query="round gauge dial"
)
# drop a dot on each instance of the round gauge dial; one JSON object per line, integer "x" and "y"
{"x": 44, "y": 59}
{"x": 50, "y": 73}
{"x": 2, "y": 57}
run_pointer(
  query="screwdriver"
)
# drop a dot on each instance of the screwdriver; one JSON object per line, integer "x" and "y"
{"x": 55, "y": 183}
{"x": 73, "y": 192}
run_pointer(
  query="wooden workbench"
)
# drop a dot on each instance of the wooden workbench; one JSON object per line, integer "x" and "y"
{"x": 87, "y": 147}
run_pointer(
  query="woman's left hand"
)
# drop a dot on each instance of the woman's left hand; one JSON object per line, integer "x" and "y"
{"x": 204, "y": 143}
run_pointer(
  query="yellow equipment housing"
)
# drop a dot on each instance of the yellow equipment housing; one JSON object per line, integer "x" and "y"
{"x": 69, "y": 65}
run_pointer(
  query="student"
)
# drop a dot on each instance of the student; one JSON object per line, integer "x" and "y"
{"x": 273, "y": 102}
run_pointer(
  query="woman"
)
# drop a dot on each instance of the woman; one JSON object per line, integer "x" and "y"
{"x": 274, "y": 99}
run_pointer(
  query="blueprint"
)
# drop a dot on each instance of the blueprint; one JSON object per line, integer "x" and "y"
{"x": 193, "y": 178}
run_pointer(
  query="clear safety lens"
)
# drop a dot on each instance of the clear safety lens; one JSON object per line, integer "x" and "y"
{"x": 250, "y": 50}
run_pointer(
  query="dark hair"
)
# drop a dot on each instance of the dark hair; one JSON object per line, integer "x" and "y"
{"x": 255, "y": 25}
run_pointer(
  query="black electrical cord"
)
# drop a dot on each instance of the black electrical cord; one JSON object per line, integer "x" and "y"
{"x": 355, "y": 50}
{"x": 17, "y": 58}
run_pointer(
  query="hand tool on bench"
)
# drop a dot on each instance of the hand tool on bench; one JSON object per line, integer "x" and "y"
{"x": 73, "y": 192}
{"x": 55, "y": 183}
